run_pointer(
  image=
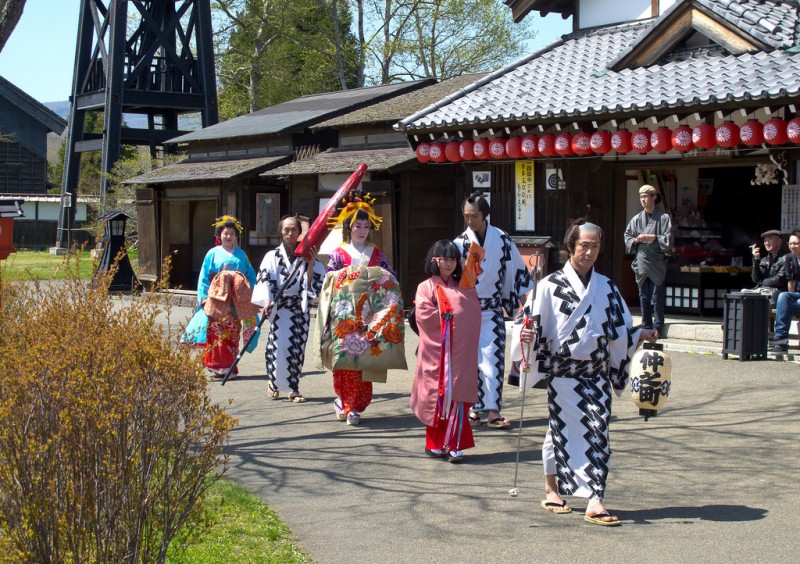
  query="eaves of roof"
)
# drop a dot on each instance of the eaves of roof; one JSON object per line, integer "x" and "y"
{"x": 335, "y": 161}
{"x": 296, "y": 115}
{"x": 189, "y": 170}
{"x": 33, "y": 108}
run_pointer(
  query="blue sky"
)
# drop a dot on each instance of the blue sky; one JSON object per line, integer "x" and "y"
{"x": 40, "y": 54}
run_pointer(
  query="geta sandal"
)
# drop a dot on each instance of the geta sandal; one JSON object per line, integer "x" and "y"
{"x": 474, "y": 419}
{"x": 296, "y": 398}
{"x": 499, "y": 423}
{"x": 555, "y": 507}
{"x": 600, "y": 519}
{"x": 273, "y": 392}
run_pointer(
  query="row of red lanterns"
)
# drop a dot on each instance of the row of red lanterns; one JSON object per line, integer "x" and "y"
{"x": 684, "y": 138}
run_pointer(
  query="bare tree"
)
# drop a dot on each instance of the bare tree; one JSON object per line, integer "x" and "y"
{"x": 10, "y": 13}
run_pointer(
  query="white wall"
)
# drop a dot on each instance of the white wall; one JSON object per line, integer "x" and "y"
{"x": 603, "y": 12}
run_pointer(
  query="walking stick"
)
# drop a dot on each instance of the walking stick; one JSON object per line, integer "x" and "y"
{"x": 526, "y": 368}
{"x": 289, "y": 279}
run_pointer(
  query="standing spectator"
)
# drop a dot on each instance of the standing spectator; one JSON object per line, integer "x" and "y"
{"x": 649, "y": 236}
{"x": 289, "y": 316}
{"x": 583, "y": 338}
{"x": 501, "y": 285}
{"x": 788, "y": 303}
{"x": 446, "y": 377}
{"x": 226, "y": 268}
{"x": 771, "y": 271}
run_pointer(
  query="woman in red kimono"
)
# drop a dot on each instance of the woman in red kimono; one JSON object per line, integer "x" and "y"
{"x": 446, "y": 378}
{"x": 357, "y": 218}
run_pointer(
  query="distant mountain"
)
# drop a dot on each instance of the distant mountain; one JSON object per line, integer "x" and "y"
{"x": 188, "y": 122}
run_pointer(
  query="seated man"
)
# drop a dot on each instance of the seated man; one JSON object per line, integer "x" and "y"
{"x": 770, "y": 271}
{"x": 788, "y": 304}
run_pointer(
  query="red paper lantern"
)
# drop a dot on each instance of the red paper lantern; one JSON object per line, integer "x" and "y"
{"x": 600, "y": 142}
{"x": 727, "y": 135}
{"x": 453, "y": 151}
{"x": 621, "y": 141}
{"x": 424, "y": 152}
{"x": 465, "y": 150}
{"x": 704, "y": 136}
{"x": 793, "y": 130}
{"x": 752, "y": 133}
{"x": 480, "y": 149}
{"x": 530, "y": 146}
{"x": 497, "y": 148}
{"x": 682, "y": 139}
{"x": 661, "y": 139}
{"x": 641, "y": 141}
{"x": 437, "y": 152}
{"x": 775, "y": 131}
{"x": 547, "y": 145}
{"x": 563, "y": 144}
{"x": 514, "y": 147}
{"x": 582, "y": 143}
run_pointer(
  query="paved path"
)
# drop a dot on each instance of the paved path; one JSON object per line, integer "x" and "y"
{"x": 711, "y": 479}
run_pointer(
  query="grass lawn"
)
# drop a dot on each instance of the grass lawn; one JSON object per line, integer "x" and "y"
{"x": 244, "y": 529}
{"x": 41, "y": 265}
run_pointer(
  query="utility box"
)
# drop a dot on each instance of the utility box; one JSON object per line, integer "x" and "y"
{"x": 745, "y": 326}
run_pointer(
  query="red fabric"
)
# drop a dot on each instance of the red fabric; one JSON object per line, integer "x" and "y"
{"x": 223, "y": 344}
{"x": 435, "y": 436}
{"x": 355, "y": 394}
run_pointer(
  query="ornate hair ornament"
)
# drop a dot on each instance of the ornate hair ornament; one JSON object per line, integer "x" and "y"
{"x": 225, "y": 219}
{"x": 349, "y": 207}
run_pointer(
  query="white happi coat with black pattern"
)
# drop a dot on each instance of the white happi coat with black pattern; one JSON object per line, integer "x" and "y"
{"x": 503, "y": 282}
{"x": 583, "y": 346}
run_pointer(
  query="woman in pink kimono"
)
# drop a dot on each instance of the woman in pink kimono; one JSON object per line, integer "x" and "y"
{"x": 446, "y": 377}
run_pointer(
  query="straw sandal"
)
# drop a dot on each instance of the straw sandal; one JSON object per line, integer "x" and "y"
{"x": 273, "y": 392}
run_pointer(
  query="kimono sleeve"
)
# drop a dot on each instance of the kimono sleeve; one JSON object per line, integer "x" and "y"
{"x": 266, "y": 279}
{"x": 546, "y": 326}
{"x": 427, "y": 311}
{"x": 207, "y": 272}
{"x": 517, "y": 281}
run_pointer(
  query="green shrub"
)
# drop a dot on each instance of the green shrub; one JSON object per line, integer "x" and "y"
{"x": 108, "y": 440}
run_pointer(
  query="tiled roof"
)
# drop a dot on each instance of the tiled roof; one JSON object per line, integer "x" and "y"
{"x": 772, "y": 21}
{"x": 395, "y": 109}
{"x": 32, "y": 107}
{"x": 189, "y": 170}
{"x": 296, "y": 114}
{"x": 570, "y": 79}
{"x": 337, "y": 161}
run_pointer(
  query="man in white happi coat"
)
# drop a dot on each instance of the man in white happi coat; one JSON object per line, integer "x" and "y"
{"x": 503, "y": 282}
{"x": 583, "y": 339}
{"x": 649, "y": 236}
{"x": 289, "y": 317}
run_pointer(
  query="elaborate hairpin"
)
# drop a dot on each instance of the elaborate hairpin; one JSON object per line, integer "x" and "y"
{"x": 350, "y": 205}
{"x": 225, "y": 219}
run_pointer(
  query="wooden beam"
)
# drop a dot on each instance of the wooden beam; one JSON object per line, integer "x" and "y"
{"x": 654, "y": 9}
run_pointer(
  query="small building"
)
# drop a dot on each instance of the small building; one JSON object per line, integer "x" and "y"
{"x": 222, "y": 175}
{"x": 697, "y": 97}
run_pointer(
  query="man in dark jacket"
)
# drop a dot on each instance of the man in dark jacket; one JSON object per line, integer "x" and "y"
{"x": 773, "y": 270}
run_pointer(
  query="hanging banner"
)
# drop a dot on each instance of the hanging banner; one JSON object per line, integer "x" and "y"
{"x": 790, "y": 208}
{"x": 524, "y": 182}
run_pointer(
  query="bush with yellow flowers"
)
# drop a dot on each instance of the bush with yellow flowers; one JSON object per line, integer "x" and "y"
{"x": 108, "y": 440}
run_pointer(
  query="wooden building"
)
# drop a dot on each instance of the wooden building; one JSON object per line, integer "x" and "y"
{"x": 698, "y": 97}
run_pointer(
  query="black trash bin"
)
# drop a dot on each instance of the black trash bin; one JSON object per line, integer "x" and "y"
{"x": 745, "y": 326}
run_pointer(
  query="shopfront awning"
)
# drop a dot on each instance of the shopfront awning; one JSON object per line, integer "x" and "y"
{"x": 189, "y": 170}
{"x": 335, "y": 161}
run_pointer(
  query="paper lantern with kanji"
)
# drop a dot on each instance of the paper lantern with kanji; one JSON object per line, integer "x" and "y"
{"x": 563, "y": 144}
{"x": 424, "y": 152}
{"x": 641, "y": 141}
{"x": 514, "y": 147}
{"x": 752, "y": 133}
{"x": 775, "y": 131}
{"x": 547, "y": 145}
{"x": 682, "y": 139}
{"x": 727, "y": 135}
{"x": 465, "y": 150}
{"x": 530, "y": 146}
{"x": 582, "y": 143}
{"x": 793, "y": 130}
{"x": 600, "y": 142}
{"x": 651, "y": 379}
{"x": 661, "y": 139}
{"x": 453, "y": 151}
{"x": 497, "y": 148}
{"x": 481, "y": 149}
{"x": 621, "y": 141}
{"x": 703, "y": 136}
{"x": 437, "y": 152}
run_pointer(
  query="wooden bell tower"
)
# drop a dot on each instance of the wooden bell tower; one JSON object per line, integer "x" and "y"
{"x": 150, "y": 57}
